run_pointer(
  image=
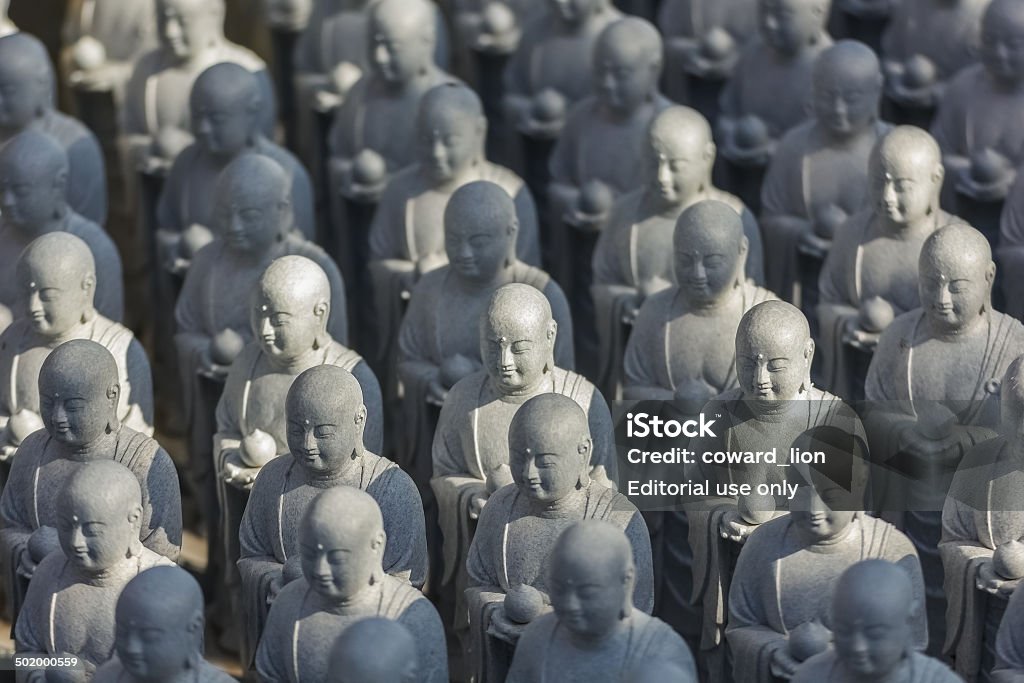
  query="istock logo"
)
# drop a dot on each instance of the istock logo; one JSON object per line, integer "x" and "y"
{"x": 641, "y": 425}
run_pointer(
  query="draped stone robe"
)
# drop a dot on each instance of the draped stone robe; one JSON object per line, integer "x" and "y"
{"x": 828, "y": 667}
{"x": 301, "y": 625}
{"x": 114, "y": 672}
{"x": 1010, "y": 251}
{"x": 440, "y": 322}
{"x": 1010, "y": 643}
{"x": 269, "y": 533}
{"x": 512, "y": 546}
{"x": 981, "y": 513}
{"x": 21, "y": 356}
{"x": 865, "y": 261}
{"x": 781, "y": 582}
{"x": 38, "y": 474}
{"x": 66, "y": 611}
{"x": 546, "y": 652}
{"x": 809, "y": 171}
{"x": 635, "y": 249}
{"x": 109, "y": 297}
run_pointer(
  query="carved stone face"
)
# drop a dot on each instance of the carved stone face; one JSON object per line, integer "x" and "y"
{"x": 285, "y": 326}
{"x": 1002, "y": 41}
{"x": 772, "y": 364}
{"x": 953, "y": 288}
{"x": 819, "y": 511}
{"x": 23, "y": 91}
{"x": 625, "y": 73}
{"x": 149, "y": 646}
{"x": 515, "y": 349}
{"x": 872, "y": 635}
{"x": 399, "y": 48}
{"x": 221, "y": 126}
{"x": 29, "y": 196}
{"x": 789, "y": 25}
{"x": 54, "y": 300}
{"x": 476, "y": 252}
{"x": 250, "y": 218}
{"x": 679, "y": 170}
{"x": 846, "y": 101}
{"x": 587, "y": 595}
{"x": 576, "y": 12}
{"x": 187, "y": 27}
{"x": 449, "y": 141}
{"x": 94, "y": 534}
{"x": 906, "y": 187}
{"x": 75, "y": 410}
{"x": 706, "y": 264}
{"x": 546, "y": 463}
{"x": 323, "y": 431}
{"x": 338, "y": 562}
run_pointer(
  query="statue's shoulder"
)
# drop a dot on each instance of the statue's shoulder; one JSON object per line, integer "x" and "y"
{"x": 88, "y": 230}
{"x": 727, "y": 198}
{"x": 767, "y": 537}
{"x": 31, "y": 449}
{"x": 816, "y": 669}
{"x": 399, "y": 596}
{"x": 574, "y": 385}
{"x": 930, "y": 670}
{"x": 66, "y": 129}
{"x": 111, "y": 334}
{"x": 963, "y": 82}
{"x": 505, "y": 178}
{"x": 532, "y": 275}
{"x": 235, "y": 53}
{"x": 432, "y": 281}
{"x": 281, "y": 155}
{"x": 135, "y": 450}
{"x": 1009, "y": 326}
{"x": 466, "y": 391}
{"x": 10, "y": 337}
{"x": 901, "y": 329}
{"x": 342, "y": 356}
{"x": 406, "y": 183}
{"x": 797, "y": 139}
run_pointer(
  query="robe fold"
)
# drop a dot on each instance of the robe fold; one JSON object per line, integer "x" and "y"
{"x": 299, "y": 629}
{"x": 38, "y": 474}
{"x": 114, "y": 672}
{"x": 109, "y": 297}
{"x": 269, "y": 532}
{"x": 807, "y": 171}
{"x": 981, "y": 513}
{"x": 1010, "y": 250}
{"x": 826, "y": 667}
{"x": 189, "y": 192}
{"x": 496, "y": 562}
{"x": 426, "y": 339}
{"x": 18, "y": 383}
{"x": 647, "y": 638}
{"x": 781, "y": 582}
{"x": 66, "y": 612}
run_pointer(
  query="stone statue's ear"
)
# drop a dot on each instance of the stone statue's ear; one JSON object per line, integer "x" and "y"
{"x": 744, "y": 245}
{"x": 135, "y": 516}
{"x": 938, "y": 174}
{"x": 585, "y": 449}
{"x": 322, "y": 309}
{"x": 379, "y": 541}
{"x": 88, "y": 282}
{"x": 709, "y": 151}
{"x": 513, "y": 227}
{"x": 360, "y": 417}
{"x": 60, "y": 182}
{"x": 628, "y": 581}
{"x": 552, "y": 330}
{"x": 809, "y": 352}
{"x": 990, "y": 273}
{"x": 113, "y": 392}
{"x": 481, "y": 127}
{"x": 197, "y": 623}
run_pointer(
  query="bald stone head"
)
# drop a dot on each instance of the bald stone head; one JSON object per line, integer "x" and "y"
{"x": 402, "y": 35}
{"x": 517, "y": 338}
{"x": 451, "y": 127}
{"x": 1002, "y": 40}
{"x": 165, "y": 606}
{"x": 480, "y": 227}
{"x": 905, "y": 173}
{"x": 99, "y": 514}
{"x": 342, "y": 521}
{"x": 394, "y": 657}
{"x": 549, "y": 448}
{"x": 774, "y": 351}
{"x": 955, "y": 276}
{"x": 33, "y": 182}
{"x": 792, "y": 26}
{"x": 710, "y": 251}
{"x": 254, "y": 208}
{"x": 78, "y": 393}
{"x": 225, "y": 104}
{"x": 326, "y": 418}
{"x": 591, "y": 554}
{"x": 847, "y": 86}
{"x": 291, "y": 305}
{"x": 627, "y": 64}
{"x": 26, "y": 82}
{"x": 873, "y": 610}
{"x": 188, "y": 29}
{"x": 682, "y": 153}
{"x": 56, "y": 276}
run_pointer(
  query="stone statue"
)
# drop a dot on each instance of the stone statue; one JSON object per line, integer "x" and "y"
{"x": 703, "y": 42}
{"x": 407, "y": 232}
{"x": 770, "y": 88}
{"x": 79, "y": 392}
{"x": 7, "y": 26}
{"x": 550, "y": 451}
{"x": 633, "y": 256}
{"x": 874, "y": 623}
{"x": 818, "y": 175}
{"x": 70, "y": 605}
{"x": 56, "y": 276}
{"x": 159, "y": 631}
{"x": 928, "y": 410}
{"x": 1010, "y": 250}
{"x": 982, "y": 525}
{"x": 156, "y": 114}
{"x": 926, "y": 44}
{"x": 470, "y": 450}
{"x": 975, "y": 124}
{"x": 289, "y": 309}
{"x": 34, "y": 174}
{"x": 226, "y": 105}
{"x": 393, "y": 646}
{"x": 658, "y": 670}
{"x": 870, "y": 274}
{"x": 439, "y": 341}
{"x": 772, "y": 406}
{"x": 102, "y": 40}
{"x": 595, "y": 631}
{"x": 27, "y": 73}
{"x": 1009, "y": 666}
{"x": 311, "y": 612}
{"x": 326, "y": 423}
{"x": 254, "y": 226}
{"x": 551, "y": 68}
{"x": 781, "y": 593}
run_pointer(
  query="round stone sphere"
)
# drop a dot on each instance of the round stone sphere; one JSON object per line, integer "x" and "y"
{"x": 918, "y": 72}
{"x": 193, "y": 238}
{"x": 1008, "y": 560}
{"x": 21, "y": 424}
{"x": 595, "y": 198}
{"x": 497, "y": 19}
{"x": 523, "y": 603}
{"x": 808, "y": 639}
{"x": 756, "y": 508}
{"x": 88, "y": 53}
{"x": 369, "y": 168}
{"x": 258, "y": 448}
{"x": 226, "y": 346}
{"x": 875, "y": 314}
{"x": 987, "y": 166}
{"x": 751, "y": 132}
{"x": 548, "y": 105}
{"x": 717, "y": 44}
